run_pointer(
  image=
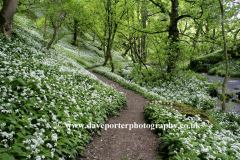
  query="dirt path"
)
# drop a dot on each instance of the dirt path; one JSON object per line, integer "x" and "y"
{"x": 118, "y": 144}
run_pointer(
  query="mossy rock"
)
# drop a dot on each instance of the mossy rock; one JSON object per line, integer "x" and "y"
{"x": 190, "y": 111}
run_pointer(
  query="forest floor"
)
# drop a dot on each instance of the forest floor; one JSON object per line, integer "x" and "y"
{"x": 123, "y": 143}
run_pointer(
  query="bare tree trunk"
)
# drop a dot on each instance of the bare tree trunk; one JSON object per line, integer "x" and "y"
{"x": 6, "y": 16}
{"x": 75, "y": 32}
{"x": 54, "y": 37}
{"x": 79, "y": 34}
{"x": 226, "y": 57}
{"x": 108, "y": 49}
{"x": 111, "y": 62}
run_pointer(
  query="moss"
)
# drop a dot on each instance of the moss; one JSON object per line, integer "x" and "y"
{"x": 214, "y": 63}
{"x": 190, "y": 111}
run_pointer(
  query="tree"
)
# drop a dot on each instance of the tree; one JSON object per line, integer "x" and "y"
{"x": 226, "y": 56}
{"x": 173, "y": 31}
{"x": 114, "y": 19}
{"x": 107, "y": 23}
{"x": 6, "y": 16}
{"x": 78, "y": 19}
{"x": 59, "y": 9}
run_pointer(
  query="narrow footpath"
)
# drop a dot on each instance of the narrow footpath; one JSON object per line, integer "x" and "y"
{"x": 124, "y": 144}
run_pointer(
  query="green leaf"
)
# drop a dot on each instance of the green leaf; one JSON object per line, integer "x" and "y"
{"x": 20, "y": 135}
{"x": 18, "y": 150}
{"x": 3, "y": 150}
{"x": 6, "y": 156}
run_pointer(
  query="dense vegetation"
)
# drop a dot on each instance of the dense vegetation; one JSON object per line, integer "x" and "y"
{"x": 45, "y": 95}
{"x": 214, "y": 64}
{"x": 145, "y": 46}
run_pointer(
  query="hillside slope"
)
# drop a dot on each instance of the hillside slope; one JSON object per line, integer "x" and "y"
{"x": 47, "y": 98}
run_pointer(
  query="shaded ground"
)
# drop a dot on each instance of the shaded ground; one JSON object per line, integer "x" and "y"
{"x": 118, "y": 144}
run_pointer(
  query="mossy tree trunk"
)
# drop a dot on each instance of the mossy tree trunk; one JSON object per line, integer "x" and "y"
{"x": 173, "y": 35}
{"x": 226, "y": 57}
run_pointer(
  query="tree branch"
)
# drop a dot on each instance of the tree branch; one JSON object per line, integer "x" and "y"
{"x": 153, "y": 14}
{"x": 163, "y": 9}
{"x": 196, "y": 40}
{"x": 182, "y": 16}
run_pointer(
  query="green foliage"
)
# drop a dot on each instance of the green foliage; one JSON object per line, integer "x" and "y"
{"x": 127, "y": 84}
{"x": 226, "y": 120}
{"x": 215, "y": 64}
{"x": 187, "y": 87}
{"x": 191, "y": 137}
{"x": 89, "y": 56}
{"x": 201, "y": 64}
{"x": 219, "y": 69}
{"x": 44, "y": 98}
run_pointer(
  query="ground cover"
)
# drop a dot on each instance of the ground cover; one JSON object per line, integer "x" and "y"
{"x": 44, "y": 96}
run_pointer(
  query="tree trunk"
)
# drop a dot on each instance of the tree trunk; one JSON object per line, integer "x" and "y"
{"x": 108, "y": 27}
{"x": 54, "y": 37}
{"x": 126, "y": 51}
{"x": 213, "y": 41}
{"x": 226, "y": 57}
{"x": 174, "y": 37}
{"x": 108, "y": 52}
{"x": 79, "y": 34}
{"x": 144, "y": 26}
{"x": 75, "y": 32}
{"x": 6, "y": 16}
{"x": 111, "y": 62}
{"x": 45, "y": 27}
{"x": 194, "y": 46}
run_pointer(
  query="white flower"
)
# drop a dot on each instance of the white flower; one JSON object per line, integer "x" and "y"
{"x": 52, "y": 154}
{"x": 49, "y": 145}
{"x": 48, "y": 126}
{"x": 54, "y": 137}
{"x": 3, "y": 124}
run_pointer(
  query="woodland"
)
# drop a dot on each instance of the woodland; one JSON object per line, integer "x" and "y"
{"x": 156, "y": 48}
